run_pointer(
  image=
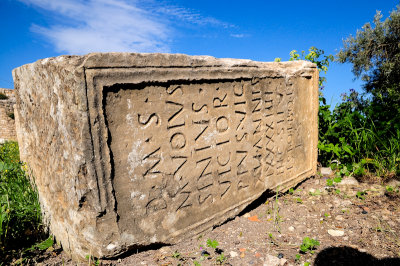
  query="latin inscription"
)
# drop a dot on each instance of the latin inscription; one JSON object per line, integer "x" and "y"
{"x": 190, "y": 149}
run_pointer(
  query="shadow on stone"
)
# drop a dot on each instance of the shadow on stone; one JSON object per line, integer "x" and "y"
{"x": 349, "y": 256}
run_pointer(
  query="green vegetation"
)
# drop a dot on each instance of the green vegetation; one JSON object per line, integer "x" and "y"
{"x": 176, "y": 254}
{"x": 45, "y": 244}
{"x": 361, "y": 135}
{"x": 212, "y": 243}
{"x": 20, "y": 216}
{"x": 92, "y": 261}
{"x": 277, "y": 216}
{"x": 363, "y": 131}
{"x": 220, "y": 259}
{"x": 390, "y": 189}
{"x": 331, "y": 182}
{"x": 217, "y": 254}
{"x": 375, "y": 55}
{"x": 309, "y": 244}
{"x": 361, "y": 195}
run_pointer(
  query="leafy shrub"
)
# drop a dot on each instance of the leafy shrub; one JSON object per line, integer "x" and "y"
{"x": 350, "y": 135}
{"x": 20, "y": 216}
{"x": 375, "y": 116}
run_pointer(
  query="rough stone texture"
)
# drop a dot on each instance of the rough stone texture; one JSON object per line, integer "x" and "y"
{"x": 133, "y": 149}
{"x": 7, "y": 123}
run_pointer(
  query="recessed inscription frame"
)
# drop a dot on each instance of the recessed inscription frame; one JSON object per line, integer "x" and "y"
{"x": 263, "y": 150}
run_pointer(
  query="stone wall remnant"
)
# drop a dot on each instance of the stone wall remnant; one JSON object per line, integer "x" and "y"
{"x": 133, "y": 149}
{"x": 7, "y": 123}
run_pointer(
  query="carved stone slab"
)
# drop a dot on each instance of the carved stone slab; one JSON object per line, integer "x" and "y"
{"x": 133, "y": 149}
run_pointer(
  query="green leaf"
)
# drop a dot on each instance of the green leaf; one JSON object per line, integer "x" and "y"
{"x": 389, "y": 189}
{"x": 361, "y": 195}
{"x": 212, "y": 243}
{"x": 44, "y": 244}
{"x": 337, "y": 179}
{"x": 348, "y": 150}
{"x": 176, "y": 254}
{"x": 304, "y": 248}
{"x": 308, "y": 244}
{"x": 344, "y": 170}
{"x": 329, "y": 182}
{"x": 220, "y": 259}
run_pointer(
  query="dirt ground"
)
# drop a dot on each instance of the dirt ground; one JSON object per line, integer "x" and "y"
{"x": 355, "y": 224}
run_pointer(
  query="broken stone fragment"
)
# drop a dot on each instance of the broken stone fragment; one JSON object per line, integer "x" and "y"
{"x": 335, "y": 232}
{"x": 133, "y": 149}
{"x": 349, "y": 181}
{"x": 326, "y": 171}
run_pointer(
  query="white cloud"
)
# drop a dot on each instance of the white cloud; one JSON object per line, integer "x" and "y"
{"x": 192, "y": 17}
{"x": 239, "y": 35}
{"x": 113, "y": 25}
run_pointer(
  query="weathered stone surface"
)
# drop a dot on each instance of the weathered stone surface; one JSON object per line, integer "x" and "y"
{"x": 7, "y": 123}
{"x": 132, "y": 149}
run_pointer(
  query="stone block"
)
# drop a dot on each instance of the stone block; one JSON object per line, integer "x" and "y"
{"x": 133, "y": 149}
{"x": 7, "y": 123}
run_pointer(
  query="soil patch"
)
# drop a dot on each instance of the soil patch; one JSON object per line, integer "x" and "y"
{"x": 354, "y": 223}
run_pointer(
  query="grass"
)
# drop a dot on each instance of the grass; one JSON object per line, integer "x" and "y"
{"x": 277, "y": 217}
{"x": 20, "y": 215}
{"x": 350, "y": 137}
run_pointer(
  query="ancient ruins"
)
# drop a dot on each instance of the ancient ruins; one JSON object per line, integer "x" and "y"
{"x": 7, "y": 123}
{"x": 133, "y": 149}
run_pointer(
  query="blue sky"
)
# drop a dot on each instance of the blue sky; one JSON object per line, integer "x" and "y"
{"x": 257, "y": 30}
